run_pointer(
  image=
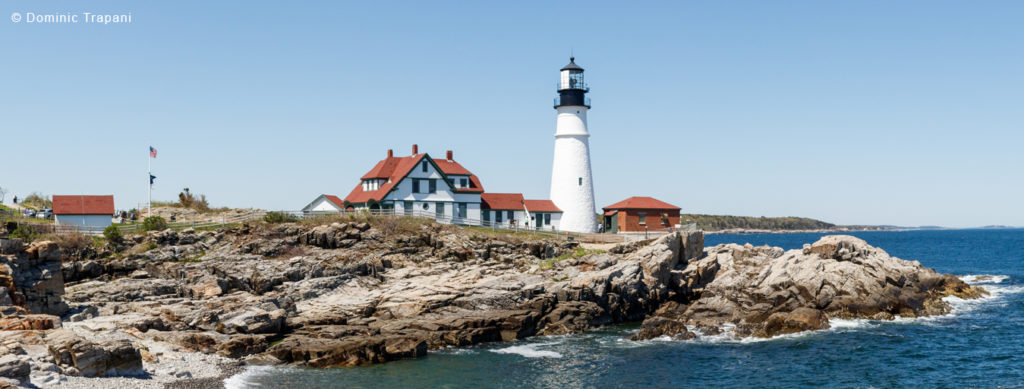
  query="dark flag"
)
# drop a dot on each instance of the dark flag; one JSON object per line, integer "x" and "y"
{"x": 151, "y": 178}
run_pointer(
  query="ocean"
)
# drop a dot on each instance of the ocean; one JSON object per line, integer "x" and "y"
{"x": 979, "y": 345}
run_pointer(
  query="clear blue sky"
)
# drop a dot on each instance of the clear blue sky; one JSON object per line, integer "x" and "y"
{"x": 906, "y": 113}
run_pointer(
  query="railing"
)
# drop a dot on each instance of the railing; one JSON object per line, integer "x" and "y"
{"x": 518, "y": 226}
{"x": 573, "y": 85}
{"x": 549, "y": 231}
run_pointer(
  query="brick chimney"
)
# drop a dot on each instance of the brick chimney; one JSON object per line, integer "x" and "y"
{"x": 415, "y": 149}
{"x": 391, "y": 153}
{"x": 449, "y": 155}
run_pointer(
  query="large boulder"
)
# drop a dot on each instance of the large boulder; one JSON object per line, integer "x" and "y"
{"x": 106, "y": 358}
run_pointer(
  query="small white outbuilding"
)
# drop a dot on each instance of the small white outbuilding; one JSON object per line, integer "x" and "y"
{"x": 85, "y": 211}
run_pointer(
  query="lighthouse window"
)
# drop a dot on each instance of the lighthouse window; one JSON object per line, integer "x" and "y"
{"x": 581, "y": 181}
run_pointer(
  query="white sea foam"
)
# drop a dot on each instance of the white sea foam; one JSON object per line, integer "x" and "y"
{"x": 984, "y": 278}
{"x": 851, "y": 324}
{"x": 529, "y": 351}
{"x": 247, "y": 378}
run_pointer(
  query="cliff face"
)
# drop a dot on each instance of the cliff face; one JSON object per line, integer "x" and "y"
{"x": 31, "y": 280}
{"x": 354, "y": 293}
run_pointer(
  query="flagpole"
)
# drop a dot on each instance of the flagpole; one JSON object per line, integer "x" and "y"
{"x": 149, "y": 179}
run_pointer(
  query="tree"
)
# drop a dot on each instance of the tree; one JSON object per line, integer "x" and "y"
{"x": 37, "y": 201}
{"x": 189, "y": 200}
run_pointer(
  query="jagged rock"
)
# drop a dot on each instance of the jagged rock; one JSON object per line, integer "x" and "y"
{"x": 15, "y": 367}
{"x": 108, "y": 358}
{"x": 85, "y": 313}
{"x": 29, "y": 322}
{"x": 241, "y": 346}
{"x": 764, "y": 291}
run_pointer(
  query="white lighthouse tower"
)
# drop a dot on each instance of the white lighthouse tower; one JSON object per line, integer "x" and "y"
{"x": 572, "y": 185}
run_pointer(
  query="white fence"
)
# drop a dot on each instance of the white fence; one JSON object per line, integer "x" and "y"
{"x": 516, "y": 226}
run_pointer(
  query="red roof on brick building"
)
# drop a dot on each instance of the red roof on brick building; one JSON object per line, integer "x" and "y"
{"x": 83, "y": 205}
{"x": 641, "y": 202}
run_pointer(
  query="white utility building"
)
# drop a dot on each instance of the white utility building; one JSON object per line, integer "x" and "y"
{"x": 572, "y": 185}
{"x": 91, "y": 212}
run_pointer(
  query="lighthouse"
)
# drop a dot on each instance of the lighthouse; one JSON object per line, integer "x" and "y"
{"x": 572, "y": 184}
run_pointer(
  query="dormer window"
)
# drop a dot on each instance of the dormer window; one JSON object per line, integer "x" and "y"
{"x": 424, "y": 166}
{"x": 371, "y": 184}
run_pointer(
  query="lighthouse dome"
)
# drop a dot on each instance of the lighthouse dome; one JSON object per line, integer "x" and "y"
{"x": 572, "y": 65}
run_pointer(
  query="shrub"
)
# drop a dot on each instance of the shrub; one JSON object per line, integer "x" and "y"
{"x": 113, "y": 234}
{"x": 70, "y": 242}
{"x": 279, "y": 217}
{"x": 24, "y": 233}
{"x": 154, "y": 223}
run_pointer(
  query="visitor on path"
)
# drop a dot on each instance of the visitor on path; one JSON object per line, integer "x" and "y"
{"x": 15, "y": 199}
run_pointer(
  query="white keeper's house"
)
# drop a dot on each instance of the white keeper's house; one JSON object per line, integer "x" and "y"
{"x": 419, "y": 185}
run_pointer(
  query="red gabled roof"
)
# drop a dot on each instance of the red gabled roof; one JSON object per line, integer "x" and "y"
{"x": 394, "y": 169}
{"x": 336, "y": 200}
{"x": 503, "y": 201}
{"x": 451, "y": 167}
{"x": 641, "y": 202}
{"x": 541, "y": 206}
{"x": 83, "y": 205}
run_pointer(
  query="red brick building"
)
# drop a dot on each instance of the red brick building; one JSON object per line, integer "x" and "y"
{"x": 636, "y": 213}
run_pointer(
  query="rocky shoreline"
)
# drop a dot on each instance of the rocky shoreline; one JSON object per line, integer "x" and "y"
{"x": 185, "y": 309}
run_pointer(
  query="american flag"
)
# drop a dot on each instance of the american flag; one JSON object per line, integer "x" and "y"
{"x": 152, "y": 152}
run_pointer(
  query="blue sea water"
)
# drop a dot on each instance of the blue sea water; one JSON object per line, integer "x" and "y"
{"x": 979, "y": 345}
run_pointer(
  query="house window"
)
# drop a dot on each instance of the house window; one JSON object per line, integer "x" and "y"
{"x": 547, "y": 219}
{"x": 433, "y": 186}
{"x": 424, "y": 166}
{"x": 407, "y": 207}
{"x": 581, "y": 181}
{"x": 497, "y": 216}
{"x": 439, "y": 210}
{"x": 426, "y": 206}
{"x": 462, "y": 210}
{"x": 511, "y": 215}
{"x": 486, "y": 215}
{"x": 643, "y": 218}
{"x": 464, "y": 183}
{"x": 415, "y": 186}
